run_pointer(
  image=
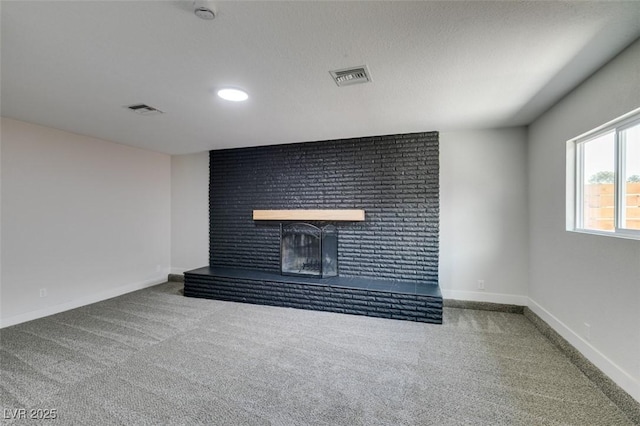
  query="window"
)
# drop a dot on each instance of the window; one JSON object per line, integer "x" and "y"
{"x": 604, "y": 179}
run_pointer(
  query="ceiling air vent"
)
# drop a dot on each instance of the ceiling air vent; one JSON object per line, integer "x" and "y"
{"x": 143, "y": 109}
{"x": 349, "y": 76}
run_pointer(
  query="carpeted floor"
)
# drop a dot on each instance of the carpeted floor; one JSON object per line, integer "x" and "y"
{"x": 156, "y": 357}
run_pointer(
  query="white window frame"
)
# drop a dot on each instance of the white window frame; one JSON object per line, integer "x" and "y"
{"x": 575, "y": 177}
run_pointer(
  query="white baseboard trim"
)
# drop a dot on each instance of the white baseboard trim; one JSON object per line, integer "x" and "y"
{"x": 83, "y": 301}
{"x": 477, "y": 296}
{"x": 608, "y": 367}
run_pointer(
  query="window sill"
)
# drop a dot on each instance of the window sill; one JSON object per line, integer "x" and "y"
{"x": 627, "y": 235}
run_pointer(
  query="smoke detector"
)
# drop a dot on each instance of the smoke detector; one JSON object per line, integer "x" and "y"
{"x": 203, "y": 11}
{"x": 350, "y": 76}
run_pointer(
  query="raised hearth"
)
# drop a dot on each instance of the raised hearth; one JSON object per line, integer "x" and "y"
{"x": 359, "y": 296}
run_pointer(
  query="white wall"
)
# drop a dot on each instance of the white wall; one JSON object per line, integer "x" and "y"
{"x": 189, "y": 212}
{"x": 84, "y": 218}
{"x": 83, "y": 190}
{"x": 483, "y": 215}
{"x": 577, "y": 278}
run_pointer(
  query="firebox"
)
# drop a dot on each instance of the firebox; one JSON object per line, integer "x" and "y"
{"x": 308, "y": 250}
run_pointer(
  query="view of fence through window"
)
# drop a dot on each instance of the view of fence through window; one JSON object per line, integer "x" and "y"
{"x": 599, "y": 166}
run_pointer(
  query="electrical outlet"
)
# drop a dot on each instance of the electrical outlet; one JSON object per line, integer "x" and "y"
{"x": 158, "y": 268}
{"x": 480, "y": 284}
{"x": 43, "y": 292}
{"x": 587, "y": 331}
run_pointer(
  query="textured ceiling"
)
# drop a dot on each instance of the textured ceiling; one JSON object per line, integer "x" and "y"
{"x": 435, "y": 66}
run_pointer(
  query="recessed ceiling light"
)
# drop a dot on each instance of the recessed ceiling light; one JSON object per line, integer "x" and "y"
{"x": 235, "y": 95}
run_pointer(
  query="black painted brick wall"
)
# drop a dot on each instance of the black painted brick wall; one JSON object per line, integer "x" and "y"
{"x": 393, "y": 178}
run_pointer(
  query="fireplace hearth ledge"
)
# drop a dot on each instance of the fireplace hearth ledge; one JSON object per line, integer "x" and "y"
{"x": 394, "y": 299}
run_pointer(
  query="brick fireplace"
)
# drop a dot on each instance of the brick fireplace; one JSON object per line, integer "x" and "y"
{"x": 388, "y": 262}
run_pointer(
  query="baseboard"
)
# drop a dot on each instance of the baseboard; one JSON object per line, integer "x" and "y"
{"x": 483, "y": 306}
{"x": 616, "y": 383}
{"x": 76, "y": 303}
{"x": 481, "y": 296}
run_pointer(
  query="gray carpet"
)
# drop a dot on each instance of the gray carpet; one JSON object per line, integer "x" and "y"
{"x": 156, "y": 357}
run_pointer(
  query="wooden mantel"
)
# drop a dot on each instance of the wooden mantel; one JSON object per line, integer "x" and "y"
{"x": 349, "y": 215}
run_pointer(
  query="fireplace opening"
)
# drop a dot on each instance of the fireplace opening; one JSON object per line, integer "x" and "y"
{"x": 309, "y": 251}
